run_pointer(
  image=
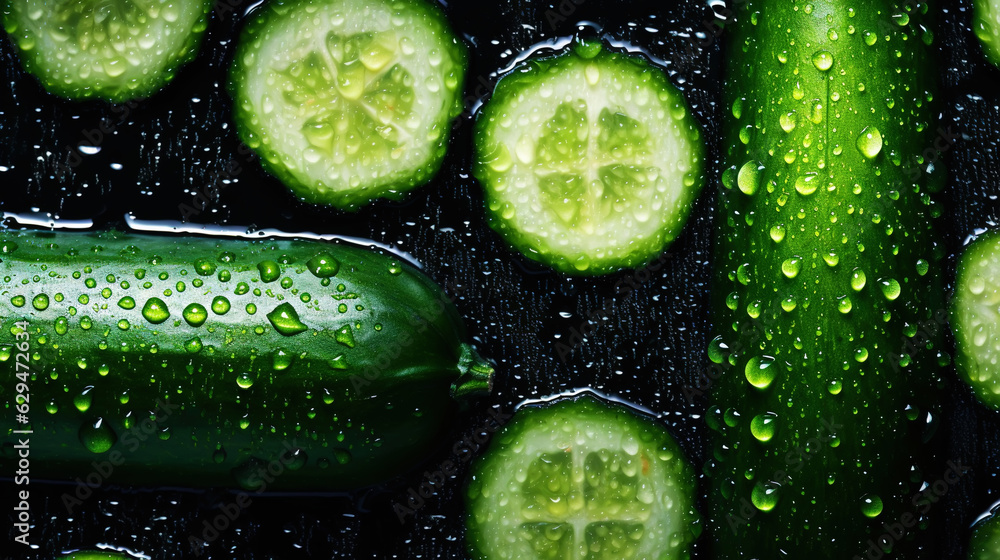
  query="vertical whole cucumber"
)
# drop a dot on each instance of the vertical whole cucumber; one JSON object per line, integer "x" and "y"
{"x": 189, "y": 361}
{"x": 828, "y": 297}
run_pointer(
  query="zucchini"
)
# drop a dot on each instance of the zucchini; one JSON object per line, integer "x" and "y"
{"x": 590, "y": 160}
{"x": 581, "y": 478}
{"x": 114, "y": 50}
{"x": 827, "y": 299}
{"x": 975, "y": 319}
{"x": 209, "y": 362}
{"x": 348, "y": 100}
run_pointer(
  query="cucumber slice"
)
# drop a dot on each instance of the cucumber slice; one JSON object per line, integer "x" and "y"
{"x": 348, "y": 100}
{"x": 975, "y": 318}
{"x": 108, "y": 49}
{"x": 985, "y": 541}
{"x": 581, "y": 479}
{"x": 590, "y": 160}
{"x": 986, "y": 24}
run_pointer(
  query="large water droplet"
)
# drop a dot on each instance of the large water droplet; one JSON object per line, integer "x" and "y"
{"x": 195, "y": 314}
{"x": 155, "y": 311}
{"x": 749, "y": 177}
{"x": 791, "y": 266}
{"x": 759, "y": 371}
{"x": 285, "y": 320}
{"x": 822, "y": 60}
{"x": 323, "y": 265}
{"x": 96, "y": 436}
{"x": 869, "y": 142}
{"x": 765, "y": 495}
{"x": 871, "y": 505}
{"x": 269, "y": 271}
{"x": 763, "y": 426}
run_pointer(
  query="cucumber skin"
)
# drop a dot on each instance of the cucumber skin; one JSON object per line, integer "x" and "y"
{"x": 353, "y": 199}
{"x": 389, "y": 405}
{"x": 877, "y": 443}
{"x": 36, "y": 64}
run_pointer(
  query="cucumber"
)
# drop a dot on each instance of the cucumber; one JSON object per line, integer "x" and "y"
{"x": 348, "y": 100}
{"x": 828, "y": 300}
{"x": 590, "y": 160}
{"x": 578, "y": 479}
{"x": 985, "y": 541}
{"x": 975, "y": 319}
{"x": 114, "y": 50}
{"x": 189, "y": 361}
{"x": 986, "y": 25}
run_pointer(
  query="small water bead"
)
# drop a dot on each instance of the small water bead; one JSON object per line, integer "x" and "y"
{"x": 844, "y": 305}
{"x": 822, "y": 60}
{"x": 61, "y": 325}
{"x": 791, "y": 266}
{"x": 890, "y": 288}
{"x": 831, "y": 259}
{"x": 835, "y": 387}
{"x": 195, "y": 314}
{"x": 743, "y": 273}
{"x": 754, "y": 308}
{"x": 269, "y": 270}
{"x": 731, "y": 417}
{"x": 765, "y": 495}
{"x": 871, "y": 505}
{"x": 96, "y": 436}
{"x": 219, "y": 455}
{"x": 922, "y": 267}
{"x": 787, "y": 121}
{"x": 220, "y": 305}
{"x": 18, "y": 301}
{"x": 40, "y": 302}
{"x": 759, "y": 371}
{"x": 869, "y": 142}
{"x": 860, "y": 354}
{"x": 763, "y": 426}
{"x": 245, "y": 380}
{"x": 323, "y": 265}
{"x": 241, "y": 288}
{"x": 717, "y": 350}
{"x": 749, "y": 177}
{"x": 806, "y": 184}
{"x": 345, "y": 336}
{"x": 732, "y": 301}
{"x": 84, "y": 399}
{"x": 858, "y": 279}
{"x": 789, "y": 304}
{"x": 777, "y": 233}
{"x": 193, "y": 345}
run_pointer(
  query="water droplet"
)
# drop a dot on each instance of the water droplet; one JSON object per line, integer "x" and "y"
{"x": 789, "y": 304}
{"x": 922, "y": 267}
{"x": 869, "y": 142}
{"x": 860, "y": 354}
{"x": 155, "y": 311}
{"x": 245, "y": 380}
{"x": 791, "y": 266}
{"x": 765, "y": 495}
{"x": 285, "y": 320}
{"x": 204, "y": 267}
{"x": 40, "y": 302}
{"x": 759, "y": 372}
{"x": 835, "y": 387}
{"x": 717, "y": 350}
{"x": 18, "y": 301}
{"x": 743, "y": 273}
{"x": 220, "y": 305}
{"x": 822, "y": 60}
{"x": 858, "y": 279}
{"x": 61, "y": 325}
{"x": 871, "y": 505}
{"x": 83, "y": 399}
{"x": 193, "y": 345}
{"x": 890, "y": 288}
{"x": 342, "y": 456}
{"x": 96, "y": 436}
{"x": 345, "y": 336}
{"x": 295, "y": 459}
{"x": 269, "y": 271}
{"x": 763, "y": 426}
{"x": 778, "y": 233}
{"x": 806, "y": 184}
{"x": 749, "y": 177}
{"x": 219, "y": 456}
{"x": 195, "y": 314}
{"x": 323, "y": 265}
{"x": 844, "y": 305}
{"x": 787, "y": 121}
{"x": 281, "y": 359}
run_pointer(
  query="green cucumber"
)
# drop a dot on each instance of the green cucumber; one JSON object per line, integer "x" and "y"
{"x": 348, "y": 100}
{"x": 115, "y": 50}
{"x": 590, "y": 160}
{"x": 975, "y": 319}
{"x": 986, "y": 25}
{"x": 578, "y": 479}
{"x": 190, "y": 361}
{"x": 827, "y": 301}
{"x": 985, "y": 541}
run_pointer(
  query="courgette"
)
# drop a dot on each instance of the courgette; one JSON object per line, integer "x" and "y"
{"x": 115, "y": 50}
{"x": 189, "y": 361}
{"x": 828, "y": 299}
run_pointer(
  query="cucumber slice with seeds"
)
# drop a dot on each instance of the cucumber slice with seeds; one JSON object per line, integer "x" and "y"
{"x": 581, "y": 479}
{"x": 348, "y": 100}
{"x": 108, "y": 49}
{"x": 590, "y": 160}
{"x": 975, "y": 318}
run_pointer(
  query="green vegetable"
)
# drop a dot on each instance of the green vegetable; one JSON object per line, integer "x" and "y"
{"x": 348, "y": 100}
{"x": 985, "y": 541}
{"x": 200, "y": 361}
{"x": 828, "y": 296}
{"x": 581, "y": 479}
{"x": 590, "y": 160}
{"x": 95, "y": 555}
{"x": 108, "y": 49}
{"x": 986, "y": 24}
{"x": 975, "y": 318}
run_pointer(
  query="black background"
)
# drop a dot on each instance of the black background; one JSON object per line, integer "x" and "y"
{"x": 644, "y": 345}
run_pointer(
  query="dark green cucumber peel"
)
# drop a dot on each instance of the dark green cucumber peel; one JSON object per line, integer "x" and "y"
{"x": 345, "y": 362}
{"x": 114, "y": 50}
{"x": 347, "y": 101}
{"x": 827, "y": 265}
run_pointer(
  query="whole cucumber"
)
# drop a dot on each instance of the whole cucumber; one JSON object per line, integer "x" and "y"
{"x": 189, "y": 361}
{"x": 828, "y": 298}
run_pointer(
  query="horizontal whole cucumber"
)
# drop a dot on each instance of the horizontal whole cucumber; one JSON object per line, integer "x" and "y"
{"x": 828, "y": 287}
{"x": 189, "y": 361}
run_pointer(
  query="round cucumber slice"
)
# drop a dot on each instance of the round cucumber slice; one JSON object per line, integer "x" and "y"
{"x": 975, "y": 318}
{"x": 348, "y": 100}
{"x": 590, "y": 160}
{"x": 986, "y": 24}
{"x": 581, "y": 479}
{"x": 108, "y": 49}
